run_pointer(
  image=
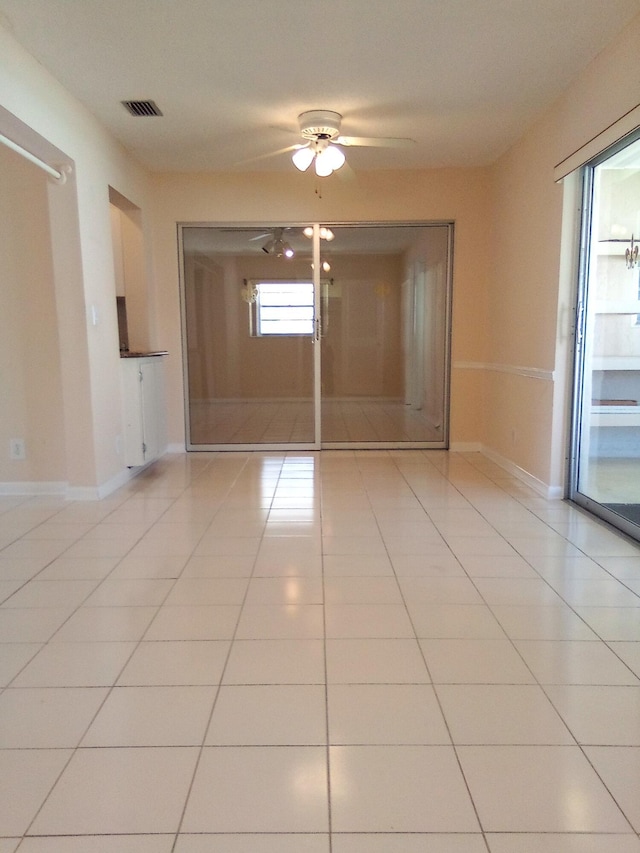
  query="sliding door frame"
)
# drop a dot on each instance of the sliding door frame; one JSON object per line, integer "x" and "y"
{"x": 578, "y": 442}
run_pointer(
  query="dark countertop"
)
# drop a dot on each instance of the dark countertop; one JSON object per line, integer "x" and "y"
{"x": 143, "y": 354}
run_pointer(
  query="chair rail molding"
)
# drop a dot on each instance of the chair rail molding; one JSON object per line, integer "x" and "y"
{"x": 515, "y": 370}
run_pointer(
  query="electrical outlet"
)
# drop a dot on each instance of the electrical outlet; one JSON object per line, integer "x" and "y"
{"x": 17, "y": 449}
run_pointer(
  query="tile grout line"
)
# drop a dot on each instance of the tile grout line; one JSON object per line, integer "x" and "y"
{"x": 433, "y": 687}
{"x": 202, "y": 746}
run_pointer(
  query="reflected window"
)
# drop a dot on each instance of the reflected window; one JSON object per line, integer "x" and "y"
{"x": 282, "y": 308}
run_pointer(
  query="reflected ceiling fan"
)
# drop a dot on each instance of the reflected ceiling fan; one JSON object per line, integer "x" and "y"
{"x": 276, "y": 244}
{"x": 321, "y": 130}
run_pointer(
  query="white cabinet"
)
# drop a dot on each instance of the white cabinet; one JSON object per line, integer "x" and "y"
{"x": 145, "y": 436}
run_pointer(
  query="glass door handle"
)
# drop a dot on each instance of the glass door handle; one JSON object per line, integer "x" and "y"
{"x": 580, "y": 324}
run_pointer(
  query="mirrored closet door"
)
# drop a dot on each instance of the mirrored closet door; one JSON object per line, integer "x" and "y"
{"x": 307, "y": 336}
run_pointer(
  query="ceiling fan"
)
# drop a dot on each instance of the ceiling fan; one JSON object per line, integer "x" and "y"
{"x": 321, "y": 130}
{"x": 276, "y": 244}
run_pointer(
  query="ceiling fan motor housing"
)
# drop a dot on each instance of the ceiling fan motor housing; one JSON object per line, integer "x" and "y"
{"x": 320, "y": 124}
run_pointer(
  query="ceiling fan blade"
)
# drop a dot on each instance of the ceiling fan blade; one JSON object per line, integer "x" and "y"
{"x": 276, "y": 233}
{"x": 375, "y": 141}
{"x": 268, "y": 155}
{"x": 283, "y": 129}
{"x": 240, "y": 229}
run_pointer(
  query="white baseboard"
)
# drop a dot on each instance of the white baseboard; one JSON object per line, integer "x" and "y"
{"x": 70, "y": 493}
{"x": 542, "y": 488}
{"x": 97, "y": 493}
{"x": 176, "y": 448}
{"x": 33, "y": 488}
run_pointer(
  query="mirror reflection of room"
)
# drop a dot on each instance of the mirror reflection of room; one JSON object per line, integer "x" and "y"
{"x": 250, "y": 313}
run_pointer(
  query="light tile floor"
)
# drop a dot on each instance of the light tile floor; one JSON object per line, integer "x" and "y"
{"x": 335, "y": 652}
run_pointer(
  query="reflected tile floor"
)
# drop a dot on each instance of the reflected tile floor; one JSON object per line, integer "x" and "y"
{"x": 334, "y": 652}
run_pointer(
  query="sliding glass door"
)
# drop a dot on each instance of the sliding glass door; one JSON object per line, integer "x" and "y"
{"x": 302, "y": 336}
{"x": 606, "y": 445}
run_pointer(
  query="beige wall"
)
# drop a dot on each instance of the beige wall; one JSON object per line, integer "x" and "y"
{"x": 30, "y": 375}
{"x": 530, "y": 288}
{"x": 512, "y": 278}
{"x": 460, "y": 195}
{"x": 523, "y": 306}
{"x": 40, "y": 114}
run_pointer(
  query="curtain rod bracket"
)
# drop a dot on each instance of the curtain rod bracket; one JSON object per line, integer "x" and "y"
{"x": 63, "y": 173}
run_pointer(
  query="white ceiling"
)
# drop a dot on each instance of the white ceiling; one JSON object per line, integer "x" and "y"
{"x": 463, "y": 78}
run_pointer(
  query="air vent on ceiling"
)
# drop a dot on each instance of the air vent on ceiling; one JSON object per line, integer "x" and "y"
{"x": 141, "y": 108}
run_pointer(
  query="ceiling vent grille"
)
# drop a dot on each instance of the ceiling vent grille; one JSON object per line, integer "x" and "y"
{"x": 141, "y": 108}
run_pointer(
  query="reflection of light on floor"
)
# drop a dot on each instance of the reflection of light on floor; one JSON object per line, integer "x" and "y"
{"x": 290, "y": 502}
{"x": 576, "y": 808}
{"x": 341, "y": 776}
{"x": 311, "y": 777}
{"x": 293, "y": 516}
{"x": 293, "y": 592}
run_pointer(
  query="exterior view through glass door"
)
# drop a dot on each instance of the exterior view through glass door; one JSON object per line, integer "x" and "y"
{"x": 606, "y": 435}
{"x": 302, "y": 336}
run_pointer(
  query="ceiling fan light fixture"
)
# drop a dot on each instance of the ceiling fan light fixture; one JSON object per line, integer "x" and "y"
{"x": 323, "y": 167}
{"x": 328, "y": 159}
{"x": 334, "y": 156}
{"x": 279, "y": 248}
{"x": 325, "y": 233}
{"x": 302, "y": 158}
